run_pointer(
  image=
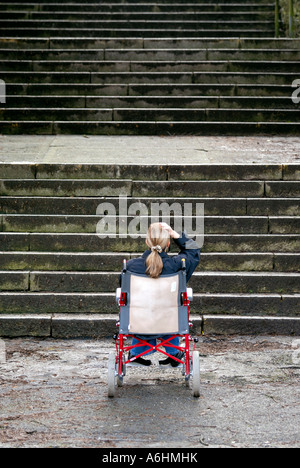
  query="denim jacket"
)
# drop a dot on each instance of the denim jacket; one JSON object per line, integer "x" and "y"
{"x": 171, "y": 263}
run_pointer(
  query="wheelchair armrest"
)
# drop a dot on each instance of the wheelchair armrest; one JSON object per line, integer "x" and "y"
{"x": 118, "y": 295}
{"x": 189, "y": 293}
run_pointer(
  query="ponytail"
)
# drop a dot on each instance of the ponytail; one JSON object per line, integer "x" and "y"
{"x": 154, "y": 264}
{"x": 157, "y": 240}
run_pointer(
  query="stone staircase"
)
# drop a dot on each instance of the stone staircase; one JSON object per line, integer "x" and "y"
{"x": 138, "y": 67}
{"x": 58, "y": 278}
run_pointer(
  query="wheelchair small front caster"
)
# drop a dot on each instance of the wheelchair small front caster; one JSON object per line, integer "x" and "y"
{"x": 187, "y": 380}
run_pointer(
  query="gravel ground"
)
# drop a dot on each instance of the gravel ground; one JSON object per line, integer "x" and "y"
{"x": 54, "y": 394}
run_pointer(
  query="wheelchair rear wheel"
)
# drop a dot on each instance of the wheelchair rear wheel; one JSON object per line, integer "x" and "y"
{"x": 196, "y": 374}
{"x": 111, "y": 374}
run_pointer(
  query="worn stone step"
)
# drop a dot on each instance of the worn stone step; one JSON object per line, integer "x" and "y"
{"x": 164, "y": 172}
{"x": 220, "y": 43}
{"x": 65, "y": 89}
{"x": 248, "y": 304}
{"x": 96, "y": 171}
{"x": 14, "y": 281}
{"x": 60, "y": 187}
{"x": 136, "y": 6}
{"x": 168, "y": 128}
{"x": 82, "y": 77}
{"x": 50, "y": 114}
{"x": 162, "y": 128}
{"x": 72, "y": 10}
{"x": 57, "y": 261}
{"x": 240, "y": 90}
{"x": 208, "y": 115}
{"x": 253, "y": 243}
{"x": 245, "y": 283}
{"x": 201, "y": 282}
{"x": 45, "y": 303}
{"x": 213, "y": 206}
{"x": 204, "y": 282}
{"x": 212, "y": 188}
{"x": 165, "y": 23}
{"x": 108, "y": 188}
{"x": 176, "y": 14}
{"x": 151, "y": 77}
{"x": 90, "y": 243}
{"x": 238, "y": 102}
{"x": 273, "y": 207}
{"x": 166, "y": 8}
{"x": 213, "y": 224}
{"x": 103, "y": 326}
{"x": 215, "y": 30}
{"x": 93, "y": 303}
{"x": 71, "y": 3}
{"x": 88, "y": 206}
{"x": 199, "y": 188}
{"x": 282, "y": 189}
{"x": 41, "y": 43}
{"x": 243, "y": 78}
{"x": 152, "y": 65}
{"x": 112, "y": 261}
{"x": 190, "y": 102}
{"x": 176, "y": 90}
{"x": 148, "y": 54}
{"x": 150, "y": 114}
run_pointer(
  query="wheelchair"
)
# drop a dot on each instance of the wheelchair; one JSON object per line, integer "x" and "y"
{"x": 150, "y": 307}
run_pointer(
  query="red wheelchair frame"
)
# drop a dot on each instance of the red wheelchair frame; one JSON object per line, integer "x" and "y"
{"x": 118, "y": 362}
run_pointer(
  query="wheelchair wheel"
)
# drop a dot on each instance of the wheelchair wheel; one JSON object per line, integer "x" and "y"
{"x": 196, "y": 374}
{"x": 111, "y": 374}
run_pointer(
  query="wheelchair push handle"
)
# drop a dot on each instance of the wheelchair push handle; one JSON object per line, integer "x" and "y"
{"x": 183, "y": 264}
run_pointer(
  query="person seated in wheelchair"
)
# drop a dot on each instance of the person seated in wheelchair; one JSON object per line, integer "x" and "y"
{"x": 155, "y": 262}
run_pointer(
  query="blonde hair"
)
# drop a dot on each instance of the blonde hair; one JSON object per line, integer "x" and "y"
{"x": 158, "y": 241}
